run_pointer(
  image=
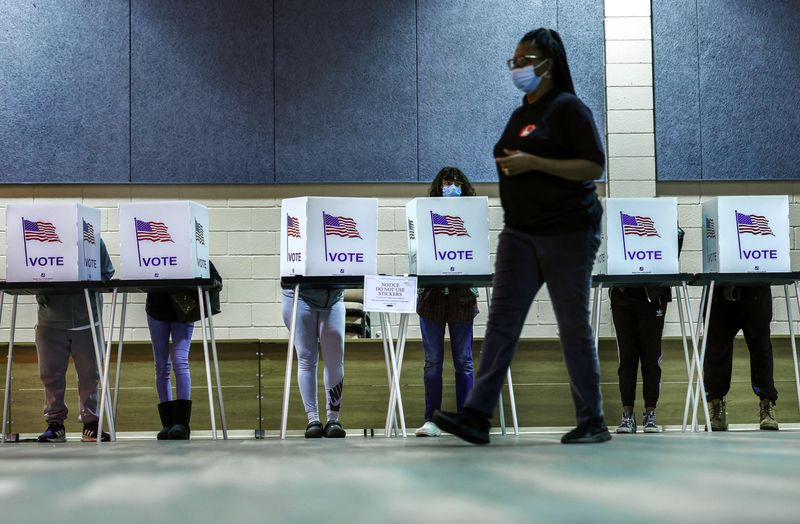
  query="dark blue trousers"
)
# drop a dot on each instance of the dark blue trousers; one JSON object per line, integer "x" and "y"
{"x": 525, "y": 262}
{"x": 461, "y": 348}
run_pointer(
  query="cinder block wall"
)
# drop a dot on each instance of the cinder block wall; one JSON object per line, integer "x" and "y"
{"x": 245, "y": 219}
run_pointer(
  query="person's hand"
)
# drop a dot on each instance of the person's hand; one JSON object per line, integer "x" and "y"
{"x": 516, "y": 162}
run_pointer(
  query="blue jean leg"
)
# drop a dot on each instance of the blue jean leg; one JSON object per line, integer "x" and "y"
{"x": 433, "y": 345}
{"x": 461, "y": 347}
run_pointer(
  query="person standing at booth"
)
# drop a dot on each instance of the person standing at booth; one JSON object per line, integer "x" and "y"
{"x": 320, "y": 316}
{"x": 638, "y": 314}
{"x": 63, "y": 329}
{"x": 548, "y": 157}
{"x": 442, "y": 307}
{"x": 173, "y": 315}
{"x": 749, "y": 309}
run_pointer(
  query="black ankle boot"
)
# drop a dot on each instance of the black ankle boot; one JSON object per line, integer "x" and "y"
{"x": 165, "y": 412}
{"x": 182, "y": 413}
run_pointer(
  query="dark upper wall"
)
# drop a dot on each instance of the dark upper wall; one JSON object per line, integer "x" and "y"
{"x": 252, "y": 91}
{"x": 727, "y": 85}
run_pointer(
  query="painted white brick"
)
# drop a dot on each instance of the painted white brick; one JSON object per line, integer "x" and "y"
{"x": 265, "y": 219}
{"x": 252, "y": 243}
{"x": 634, "y": 121}
{"x": 229, "y": 219}
{"x": 209, "y": 196}
{"x": 629, "y": 52}
{"x": 629, "y": 97}
{"x": 628, "y": 28}
{"x": 392, "y": 242}
{"x": 632, "y": 189}
{"x": 265, "y": 266}
{"x": 218, "y": 243}
{"x": 627, "y": 8}
{"x": 690, "y": 216}
{"x": 234, "y": 315}
{"x": 386, "y": 219}
{"x": 631, "y": 168}
{"x": 235, "y": 266}
{"x": 629, "y": 75}
{"x": 631, "y": 145}
{"x": 250, "y": 291}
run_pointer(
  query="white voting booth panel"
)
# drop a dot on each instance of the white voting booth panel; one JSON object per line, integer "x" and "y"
{"x": 640, "y": 236}
{"x": 52, "y": 242}
{"x": 163, "y": 240}
{"x": 325, "y": 236}
{"x": 746, "y": 234}
{"x": 448, "y": 236}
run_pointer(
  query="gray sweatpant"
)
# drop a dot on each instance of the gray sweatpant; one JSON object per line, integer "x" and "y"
{"x": 54, "y": 347}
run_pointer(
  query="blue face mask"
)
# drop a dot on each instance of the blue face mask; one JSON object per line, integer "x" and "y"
{"x": 451, "y": 190}
{"x": 525, "y": 79}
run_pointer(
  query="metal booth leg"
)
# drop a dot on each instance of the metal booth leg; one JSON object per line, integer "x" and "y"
{"x": 287, "y": 380}
{"x": 700, "y": 391}
{"x": 202, "y": 305}
{"x": 682, "y": 321}
{"x": 791, "y": 331}
{"x": 104, "y": 379}
{"x": 210, "y": 317}
{"x": 119, "y": 353}
{"x": 98, "y": 354}
{"x": 394, "y": 391}
{"x": 391, "y": 422}
{"x": 7, "y": 400}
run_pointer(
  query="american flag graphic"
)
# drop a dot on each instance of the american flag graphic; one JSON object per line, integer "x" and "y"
{"x": 292, "y": 226}
{"x": 340, "y": 226}
{"x": 448, "y": 225}
{"x": 411, "y": 233}
{"x": 41, "y": 231}
{"x": 641, "y": 226}
{"x": 199, "y": 234}
{"x": 753, "y": 224}
{"x": 710, "y": 231}
{"x": 152, "y": 231}
{"x": 88, "y": 232}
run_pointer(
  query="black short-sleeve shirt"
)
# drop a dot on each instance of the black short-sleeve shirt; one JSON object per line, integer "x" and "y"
{"x": 558, "y": 126}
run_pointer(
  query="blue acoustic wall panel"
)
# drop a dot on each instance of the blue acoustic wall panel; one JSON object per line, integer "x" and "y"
{"x": 677, "y": 90}
{"x": 465, "y": 89}
{"x": 580, "y": 24}
{"x": 750, "y": 89}
{"x": 345, "y": 91}
{"x": 201, "y": 91}
{"x": 64, "y": 91}
{"x": 744, "y": 110}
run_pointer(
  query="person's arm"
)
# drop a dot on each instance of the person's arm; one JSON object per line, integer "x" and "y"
{"x": 577, "y": 169}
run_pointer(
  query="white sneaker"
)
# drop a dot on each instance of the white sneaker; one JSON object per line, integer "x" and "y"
{"x": 429, "y": 429}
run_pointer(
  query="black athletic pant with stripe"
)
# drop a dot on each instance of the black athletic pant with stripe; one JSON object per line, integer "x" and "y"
{"x": 639, "y": 328}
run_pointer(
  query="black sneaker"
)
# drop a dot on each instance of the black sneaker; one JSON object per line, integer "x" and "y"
{"x": 589, "y": 432}
{"x": 333, "y": 429}
{"x": 90, "y": 433}
{"x": 471, "y": 425}
{"x": 314, "y": 429}
{"x": 55, "y": 432}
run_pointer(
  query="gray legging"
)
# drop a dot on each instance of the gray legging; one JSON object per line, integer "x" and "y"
{"x": 327, "y": 325}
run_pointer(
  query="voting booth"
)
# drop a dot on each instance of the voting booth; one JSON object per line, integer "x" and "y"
{"x": 52, "y": 242}
{"x": 746, "y": 234}
{"x": 163, "y": 240}
{"x": 448, "y": 236}
{"x": 640, "y": 236}
{"x": 326, "y": 236}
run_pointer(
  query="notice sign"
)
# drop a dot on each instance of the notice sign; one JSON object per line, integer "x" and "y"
{"x": 390, "y": 294}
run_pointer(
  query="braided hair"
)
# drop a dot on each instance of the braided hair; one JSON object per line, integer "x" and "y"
{"x": 549, "y": 41}
{"x": 450, "y": 174}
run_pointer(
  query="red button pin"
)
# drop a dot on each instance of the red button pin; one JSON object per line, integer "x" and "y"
{"x": 527, "y": 130}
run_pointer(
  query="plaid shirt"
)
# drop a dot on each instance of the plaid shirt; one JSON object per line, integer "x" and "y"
{"x": 452, "y": 305}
